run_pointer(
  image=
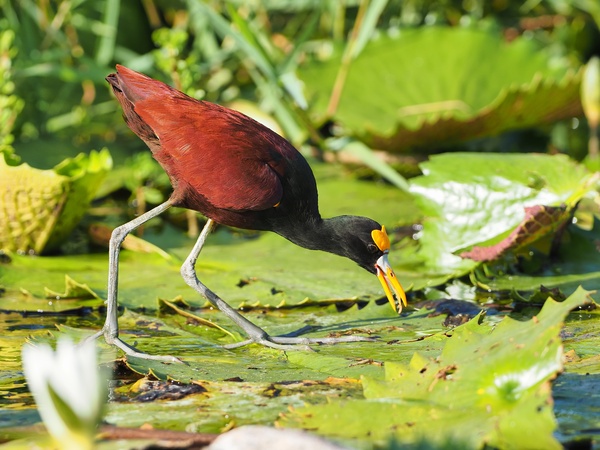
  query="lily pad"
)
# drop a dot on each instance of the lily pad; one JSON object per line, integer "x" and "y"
{"x": 228, "y": 404}
{"x": 539, "y": 221}
{"x": 578, "y": 264}
{"x": 502, "y": 374}
{"x": 478, "y": 199}
{"x": 73, "y": 290}
{"x": 428, "y": 87}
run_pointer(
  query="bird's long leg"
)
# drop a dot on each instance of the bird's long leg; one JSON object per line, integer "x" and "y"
{"x": 188, "y": 272}
{"x": 255, "y": 333}
{"x": 110, "y": 330}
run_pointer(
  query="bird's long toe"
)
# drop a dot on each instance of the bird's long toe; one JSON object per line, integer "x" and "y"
{"x": 132, "y": 351}
{"x": 298, "y": 343}
{"x": 323, "y": 340}
{"x": 272, "y": 342}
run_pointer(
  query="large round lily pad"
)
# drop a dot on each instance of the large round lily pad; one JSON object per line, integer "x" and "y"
{"x": 433, "y": 86}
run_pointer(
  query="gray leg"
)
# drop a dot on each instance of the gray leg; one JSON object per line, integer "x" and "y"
{"x": 111, "y": 326}
{"x": 255, "y": 333}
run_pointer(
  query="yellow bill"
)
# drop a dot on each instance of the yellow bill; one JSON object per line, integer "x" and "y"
{"x": 391, "y": 286}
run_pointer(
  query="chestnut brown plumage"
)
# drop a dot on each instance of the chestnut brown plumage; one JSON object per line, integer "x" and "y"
{"x": 239, "y": 173}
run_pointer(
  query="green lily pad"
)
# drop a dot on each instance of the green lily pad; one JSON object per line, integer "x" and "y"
{"x": 77, "y": 297}
{"x": 73, "y": 290}
{"x": 263, "y": 382}
{"x": 487, "y": 387}
{"x": 257, "y": 270}
{"x": 227, "y": 404}
{"x": 578, "y": 264}
{"x": 427, "y": 87}
{"x": 539, "y": 222}
{"x": 199, "y": 343}
{"x": 472, "y": 199}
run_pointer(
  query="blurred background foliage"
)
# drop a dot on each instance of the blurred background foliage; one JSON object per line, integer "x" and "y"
{"x": 289, "y": 63}
{"x": 223, "y": 51}
{"x": 380, "y": 86}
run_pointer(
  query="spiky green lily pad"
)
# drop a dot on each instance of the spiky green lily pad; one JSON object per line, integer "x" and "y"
{"x": 73, "y": 290}
{"x": 39, "y": 208}
{"x": 429, "y": 87}
{"x": 486, "y": 388}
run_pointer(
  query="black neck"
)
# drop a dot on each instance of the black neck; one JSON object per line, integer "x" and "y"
{"x": 335, "y": 235}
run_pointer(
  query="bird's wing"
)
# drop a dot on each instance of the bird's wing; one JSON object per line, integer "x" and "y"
{"x": 231, "y": 160}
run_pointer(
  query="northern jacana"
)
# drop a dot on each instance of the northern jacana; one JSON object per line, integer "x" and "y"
{"x": 235, "y": 172}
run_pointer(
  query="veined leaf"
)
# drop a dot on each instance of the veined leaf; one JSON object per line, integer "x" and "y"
{"x": 472, "y": 199}
{"x": 428, "y": 87}
{"x": 502, "y": 374}
{"x": 539, "y": 221}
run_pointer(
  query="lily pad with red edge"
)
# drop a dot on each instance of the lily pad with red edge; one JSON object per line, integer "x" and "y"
{"x": 479, "y": 199}
{"x": 539, "y": 221}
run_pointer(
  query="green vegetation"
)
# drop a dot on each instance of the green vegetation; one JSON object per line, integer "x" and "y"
{"x": 469, "y": 128}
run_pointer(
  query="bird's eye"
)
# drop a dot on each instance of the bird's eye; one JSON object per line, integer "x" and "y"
{"x": 372, "y": 248}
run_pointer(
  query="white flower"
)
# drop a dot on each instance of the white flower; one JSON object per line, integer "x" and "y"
{"x": 68, "y": 388}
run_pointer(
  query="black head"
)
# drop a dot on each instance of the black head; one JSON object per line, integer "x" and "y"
{"x": 348, "y": 236}
{"x": 355, "y": 240}
{"x": 360, "y": 239}
{"x": 366, "y": 242}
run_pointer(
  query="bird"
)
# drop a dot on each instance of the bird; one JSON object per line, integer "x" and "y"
{"x": 239, "y": 173}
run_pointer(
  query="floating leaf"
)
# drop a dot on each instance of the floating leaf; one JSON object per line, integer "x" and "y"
{"x": 73, "y": 290}
{"x": 486, "y": 388}
{"x": 228, "y": 403}
{"x": 578, "y": 264}
{"x": 39, "y": 208}
{"x": 179, "y": 306}
{"x": 474, "y": 199}
{"x": 428, "y": 87}
{"x": 539, "y": 221}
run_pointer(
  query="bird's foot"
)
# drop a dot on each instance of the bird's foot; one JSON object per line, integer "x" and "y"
{"x": 298, "y": 343}
{"x": 269, "y": 341}
{"x": 128, "y": 349}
